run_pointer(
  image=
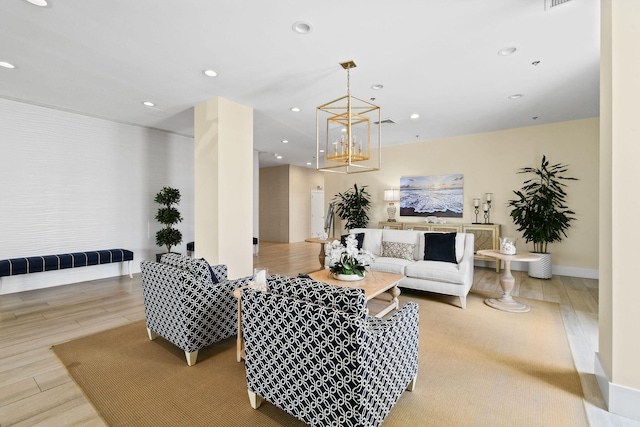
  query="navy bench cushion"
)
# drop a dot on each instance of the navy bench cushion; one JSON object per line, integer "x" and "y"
{"x": 36, "y": 264}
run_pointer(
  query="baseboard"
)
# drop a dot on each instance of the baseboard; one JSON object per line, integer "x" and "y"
{"x": 620, "y": 400}
{"x": 559, "y": 270}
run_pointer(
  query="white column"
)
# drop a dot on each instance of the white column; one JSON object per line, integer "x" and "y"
{"x": 616, "y": 363}
{"x": 223, "y": 188}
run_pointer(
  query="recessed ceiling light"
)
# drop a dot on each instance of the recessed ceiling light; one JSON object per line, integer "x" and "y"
{"x": 414, "y": 116}
{"x": 516, "y": 96}
{"x": 7, "y": 65}
{"x": 209, "y": 73}
{"x": 295, "y": 109}
{"x": 40, "y": 3}
{"x": 279, "y": 157}
{"x": 284, "y": 141}
{"x": 149, "y": 104}
{"x": 321, "y": 150}
{"x": 301, "y": 27}
{"x": 308, "y": 163}
{"x": 506, "y": 51}
{"x": 376, "y": 87}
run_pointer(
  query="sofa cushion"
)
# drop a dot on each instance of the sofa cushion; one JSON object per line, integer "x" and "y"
{"x": 389, "y": 265}
{"x": 350, "y": 300}
{"x": 398, "y": 250}
{"x": 440, "y": 247}
{"x": 372, "y": 241}
{"x": 435, "y": 270}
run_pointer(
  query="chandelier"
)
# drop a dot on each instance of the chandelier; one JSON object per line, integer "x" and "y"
{"x": 345, "y": 142}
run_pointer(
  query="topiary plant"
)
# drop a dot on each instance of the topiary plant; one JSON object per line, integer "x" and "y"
{"x": 168, "y": 215}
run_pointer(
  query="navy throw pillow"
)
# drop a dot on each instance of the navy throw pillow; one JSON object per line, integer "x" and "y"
{"x": 214, "y": 278}
{"x": 440, "y": 247}
{"x": 359, "y": 238}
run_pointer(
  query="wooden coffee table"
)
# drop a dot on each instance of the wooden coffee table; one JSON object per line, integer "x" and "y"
{"x": 374, "y": 284}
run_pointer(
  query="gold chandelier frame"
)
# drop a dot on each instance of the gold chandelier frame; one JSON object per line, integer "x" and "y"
{"x": 345, "y": 142}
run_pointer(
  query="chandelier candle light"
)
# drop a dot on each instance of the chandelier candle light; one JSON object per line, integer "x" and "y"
{"x": 344, "y": 142}
{"x": 391, "y": 196}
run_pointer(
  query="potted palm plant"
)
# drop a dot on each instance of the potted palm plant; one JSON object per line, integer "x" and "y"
{"x": 353, "y": 206}
{"x": 541, "y": 213}
{"x": 168, "y": 215}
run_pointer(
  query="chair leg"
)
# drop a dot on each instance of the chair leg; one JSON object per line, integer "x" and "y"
{"x": 412, "y": 384}
{"x": 463, "y": 302}
{"x": 152, "y": 335}
{"x": 191, "y": 357}
{"x": 254, "y": 400}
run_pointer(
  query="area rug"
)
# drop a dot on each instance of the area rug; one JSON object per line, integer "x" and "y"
{"x": 477, "y": 367}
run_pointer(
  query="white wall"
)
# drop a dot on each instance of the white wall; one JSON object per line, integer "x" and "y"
{"x": 72, "y": 183}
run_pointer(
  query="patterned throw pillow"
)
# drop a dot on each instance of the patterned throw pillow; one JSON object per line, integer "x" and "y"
{"x": 398, "y": 250}
{"x": 202, "y": 271}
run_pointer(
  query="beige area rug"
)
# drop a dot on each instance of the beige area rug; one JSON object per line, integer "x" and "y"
{"x": 478, "y": 367}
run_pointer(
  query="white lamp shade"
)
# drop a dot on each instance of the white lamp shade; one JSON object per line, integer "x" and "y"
{"x": 391, "y": 195}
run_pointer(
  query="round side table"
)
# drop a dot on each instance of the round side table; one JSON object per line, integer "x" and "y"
{"x": 507, "y": 303}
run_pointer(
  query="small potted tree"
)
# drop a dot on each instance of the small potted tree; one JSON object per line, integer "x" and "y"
{"x": 353, "y": 206}
{"x": 541, "y": 213}
{"x": 168, "y": 215}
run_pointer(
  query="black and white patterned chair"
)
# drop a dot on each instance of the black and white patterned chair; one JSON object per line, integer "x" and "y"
{"x": 312, "y": 350}
{"x": 189, "y": 303}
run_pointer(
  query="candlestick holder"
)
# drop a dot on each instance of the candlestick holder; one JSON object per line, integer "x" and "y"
{"x": 476, "y": 208}
{"x": 487, "y": 212}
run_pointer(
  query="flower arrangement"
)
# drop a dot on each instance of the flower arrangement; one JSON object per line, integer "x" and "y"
{"x": 348, "y": 260}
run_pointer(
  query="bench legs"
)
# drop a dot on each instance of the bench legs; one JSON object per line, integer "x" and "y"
{"x": 129, "y": 268}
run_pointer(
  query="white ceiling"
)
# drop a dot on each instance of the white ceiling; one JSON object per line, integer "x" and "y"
{"x": 436, "y": 58}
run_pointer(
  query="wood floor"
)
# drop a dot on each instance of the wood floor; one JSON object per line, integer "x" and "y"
{"x": 36, "y": 390}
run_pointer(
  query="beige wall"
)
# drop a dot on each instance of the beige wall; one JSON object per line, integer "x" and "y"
{"x": 285, "y": 202}
{"x": 274, "y": 204}
{"x": 489, "y": 162}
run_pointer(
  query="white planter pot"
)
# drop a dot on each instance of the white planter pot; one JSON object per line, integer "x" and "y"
{"x": 541, "y": 269}
{"x": 347, "y": 277}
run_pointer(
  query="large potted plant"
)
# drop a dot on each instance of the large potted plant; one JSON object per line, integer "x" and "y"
{"x": 541, "y": 213}
{"x": 168, "y": 216}
{"x": 353, "y": 206}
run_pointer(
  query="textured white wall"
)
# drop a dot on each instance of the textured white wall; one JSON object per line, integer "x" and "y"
{"x": 72, "y": 183}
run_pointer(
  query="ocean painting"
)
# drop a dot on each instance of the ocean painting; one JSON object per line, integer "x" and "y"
{"x": 437, "y": 195}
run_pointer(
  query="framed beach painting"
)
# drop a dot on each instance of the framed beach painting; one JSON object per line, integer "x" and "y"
{"x": 436, "y": 195}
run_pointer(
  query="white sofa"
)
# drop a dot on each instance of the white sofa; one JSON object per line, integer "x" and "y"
{"x": 449, "y": 278}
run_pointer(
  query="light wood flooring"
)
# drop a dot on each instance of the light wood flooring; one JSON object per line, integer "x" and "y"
{"x": 36, "y": 390}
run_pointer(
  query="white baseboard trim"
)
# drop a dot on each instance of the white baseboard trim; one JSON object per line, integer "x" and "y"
{"x": 620, "y": 400}
{"x": 585, "y": 273}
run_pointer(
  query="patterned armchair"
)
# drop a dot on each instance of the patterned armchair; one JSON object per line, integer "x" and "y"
{"x": 189, "y": 303}
{"x": 312, "y": 350}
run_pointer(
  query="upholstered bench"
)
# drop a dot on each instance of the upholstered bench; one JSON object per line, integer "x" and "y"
{"x": 37, "y": 264}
